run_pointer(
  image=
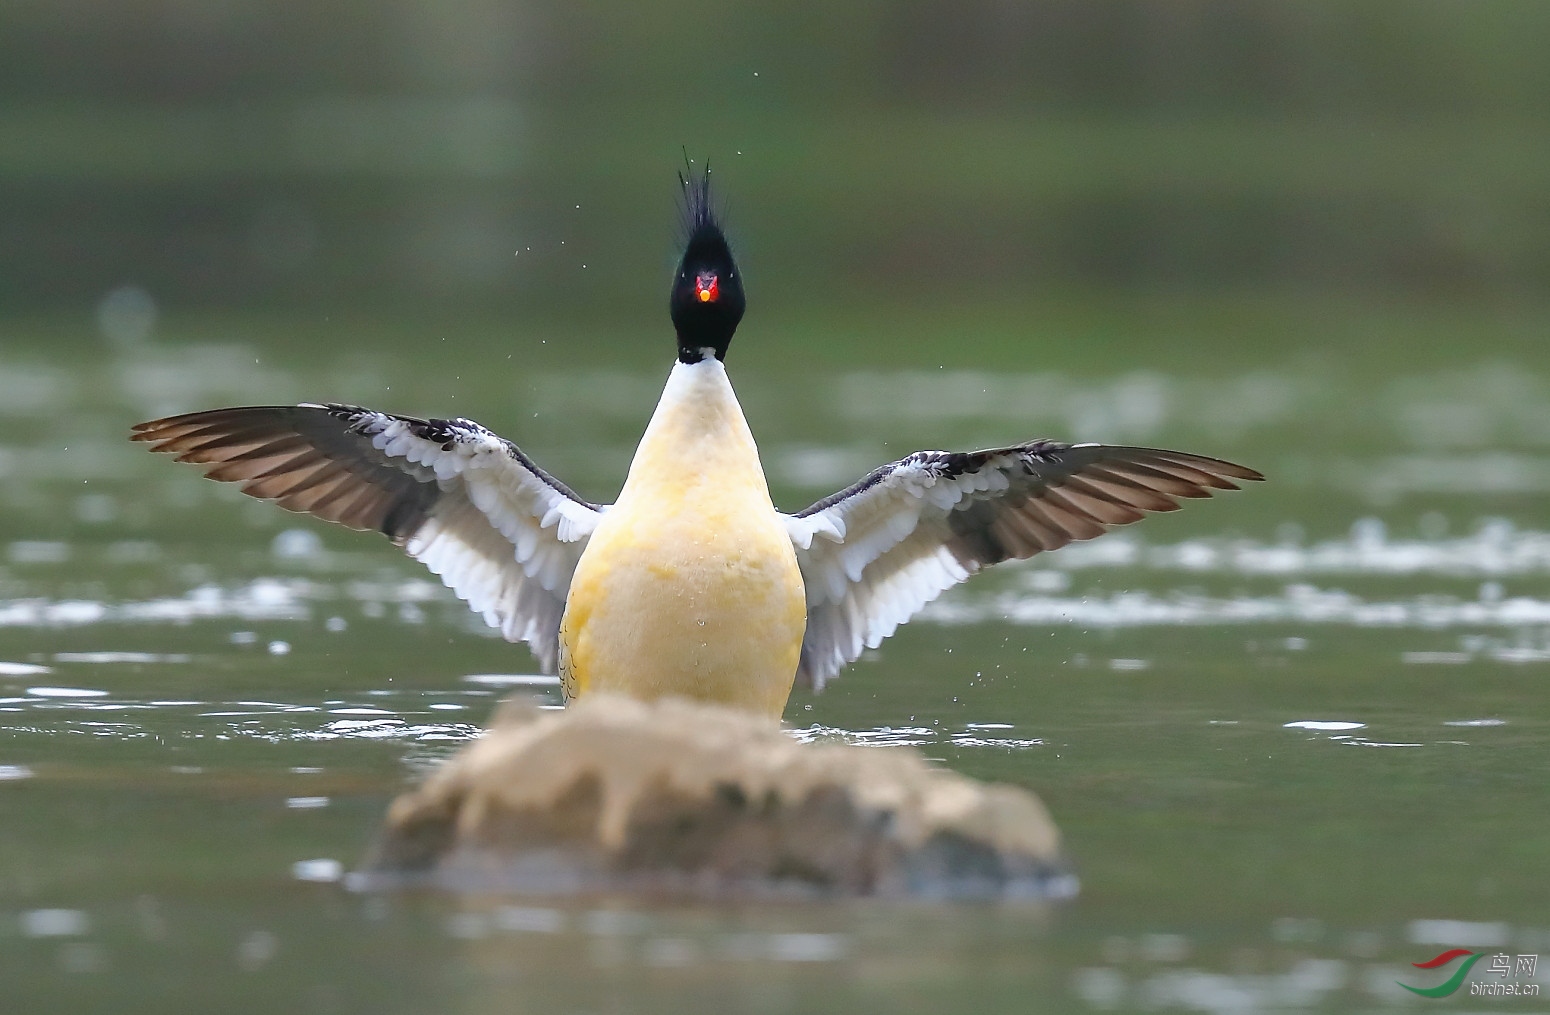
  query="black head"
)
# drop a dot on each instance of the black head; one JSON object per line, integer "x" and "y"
{"x": 707, "y": 300}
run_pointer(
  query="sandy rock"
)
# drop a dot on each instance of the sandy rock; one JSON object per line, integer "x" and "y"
{"x": 614, "y": 793}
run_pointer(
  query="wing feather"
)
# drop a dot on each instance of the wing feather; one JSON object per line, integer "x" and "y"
{"x": 1146, "y": 477}
{"x": 873, "y": 555}
{"x": 1122, "y": 491}
{"x": 499, "y": 531}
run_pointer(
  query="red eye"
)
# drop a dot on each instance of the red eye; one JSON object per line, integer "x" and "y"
{"x": 705, "y": 289}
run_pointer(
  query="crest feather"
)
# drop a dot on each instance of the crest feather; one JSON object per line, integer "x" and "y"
{"x": 699, "y": 213}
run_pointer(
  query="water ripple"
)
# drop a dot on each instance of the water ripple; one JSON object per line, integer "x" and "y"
{"x": 972, "y": 735}
{"x": 269, "y": 721}
{"x": 1496, "y": 548}
{"x": 1295, "y": 604}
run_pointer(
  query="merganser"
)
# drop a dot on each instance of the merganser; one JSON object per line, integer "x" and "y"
{"x": 691, "y": 583}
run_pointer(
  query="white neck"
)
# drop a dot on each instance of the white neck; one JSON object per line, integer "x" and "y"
{"x": 697, "y": 433}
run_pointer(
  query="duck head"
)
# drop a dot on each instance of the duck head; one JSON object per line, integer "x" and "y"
{"x": 707, "y": 299}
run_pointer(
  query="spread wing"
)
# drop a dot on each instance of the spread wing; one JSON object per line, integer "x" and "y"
{"x": 502, "y": 534}
{"x": 873, "y": 555}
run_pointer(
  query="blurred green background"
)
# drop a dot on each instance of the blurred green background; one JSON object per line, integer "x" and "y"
{"x": 1302, "y": 167}
{"x": 1296, "y": 738}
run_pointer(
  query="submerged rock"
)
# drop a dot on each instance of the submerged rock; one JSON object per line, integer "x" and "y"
{"x": 613, "y": 793}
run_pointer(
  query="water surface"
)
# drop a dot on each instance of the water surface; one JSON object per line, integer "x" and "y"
{"x": 1296, "y": 737}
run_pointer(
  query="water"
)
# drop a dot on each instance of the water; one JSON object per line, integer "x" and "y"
{"x": 1295, "y": 736}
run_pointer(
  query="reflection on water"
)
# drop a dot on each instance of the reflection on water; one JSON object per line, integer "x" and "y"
{"x": 916, "y": 736}
{"x": 62, "y": 711}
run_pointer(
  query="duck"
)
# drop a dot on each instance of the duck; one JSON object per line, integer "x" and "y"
{"x": 691, "y": 583}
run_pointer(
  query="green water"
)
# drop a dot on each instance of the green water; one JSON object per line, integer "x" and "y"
{"x": 1296, "y": 737}
{"x": 201, "y": 693}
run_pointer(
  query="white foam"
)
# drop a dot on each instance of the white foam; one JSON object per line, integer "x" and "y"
{"x": 1435, "y": 658}
{"x": 965, "y": 740}
{"x": 972, "y": 735}
{"x": 120, "y": 657}
{"x": 1458, "y": 932}
{"x": 1496, "y": 548}
{"x": 297, "y": 544}
{"x": 1299, "y": 604}
{"x": 1323, "y": 724}
{"x": 66, "y": 692}
{"x": 263, "y": 599}
{"x": 1306, "y": 984}
{"x": 512, "y": 679}
{"x": 322, "y": 870}
{"x": 34, "y": 551}
{"x": 378, "y": 729}
{"x": 806, "y": 947}
{"x": 529, "y": 919}
{"x": 55, "y": 923}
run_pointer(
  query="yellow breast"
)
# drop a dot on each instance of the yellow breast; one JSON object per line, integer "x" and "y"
{"x": 689, "y": 585}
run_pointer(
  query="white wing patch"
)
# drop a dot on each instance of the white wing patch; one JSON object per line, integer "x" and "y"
{"x": 499, "y": 531}
{"x": 873, "y": 555}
